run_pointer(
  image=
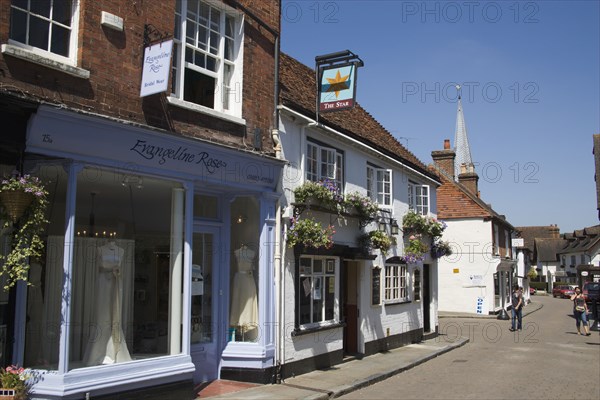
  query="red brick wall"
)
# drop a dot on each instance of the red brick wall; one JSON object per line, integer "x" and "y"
{"x": 114, "y": 61}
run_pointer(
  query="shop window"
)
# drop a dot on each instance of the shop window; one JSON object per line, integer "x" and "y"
{"x": 317, "y": 291}
{"x": 207, "y": 60}
{"x": 203, "y": 257}
{"x": 124, "y": 255}
{"x": 46, "y": 26}
{"x": 245, "y": 245}
{"x": 395, "y": 279}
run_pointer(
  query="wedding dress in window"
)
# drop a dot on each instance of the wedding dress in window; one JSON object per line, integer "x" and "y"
{"x": 244, "y": 302}
{"x": 107, "y": 341}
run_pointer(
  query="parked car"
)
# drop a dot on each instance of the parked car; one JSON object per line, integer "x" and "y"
{"x": 532, "y": 290}
{"x": 591, "y": 291}
{"x": 563, "y": 291}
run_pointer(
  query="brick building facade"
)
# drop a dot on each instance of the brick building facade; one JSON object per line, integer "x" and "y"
{"x": 157, "y": 262}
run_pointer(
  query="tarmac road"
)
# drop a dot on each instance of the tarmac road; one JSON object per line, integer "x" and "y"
{"x": 546, "y": 360}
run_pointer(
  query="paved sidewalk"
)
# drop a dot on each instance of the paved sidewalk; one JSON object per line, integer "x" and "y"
{"x": 350, "y": 376}
{"x": 529, "y": 308}
{"x": 345, "y": 378}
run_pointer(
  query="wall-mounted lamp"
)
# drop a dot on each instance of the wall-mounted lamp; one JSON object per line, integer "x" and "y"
{"x": 394, "y": 227}
{"x": 382, "y": 225}
{"x": 240, "y": 219}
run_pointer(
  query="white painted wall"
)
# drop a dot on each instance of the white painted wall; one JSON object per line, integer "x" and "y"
{"x": 468, "y": 274}
{"x": 374, "y": 320}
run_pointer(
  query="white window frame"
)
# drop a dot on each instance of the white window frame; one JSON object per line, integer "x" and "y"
{"x": 496, "y": 240}
{"x": 233, "y": 111}
{"x": 379, "y": 185}
{"x": 329, "y": 164}
{"x": 417, "y": 201}
{"x": 47, "y": 54}
{"x": 324, "y": 275}
{"x": 395, "y": 283}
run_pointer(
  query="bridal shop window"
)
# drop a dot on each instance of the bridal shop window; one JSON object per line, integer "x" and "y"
{"x": 243, "y": 315}
{"x": 125, "y": 252}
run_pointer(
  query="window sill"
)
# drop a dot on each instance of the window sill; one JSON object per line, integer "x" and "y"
{"x": 31, "y": 56}
{"x": 204, "y": 110}
{"x": 396, "y": 302}
{"x": 307, "y": 331}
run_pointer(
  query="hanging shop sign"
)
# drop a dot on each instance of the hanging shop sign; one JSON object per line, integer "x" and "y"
{"x": 155, "y": 71}
{"x": 337, "y": 87}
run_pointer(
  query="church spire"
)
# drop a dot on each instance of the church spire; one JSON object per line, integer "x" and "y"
{"x": 461, "y": 142}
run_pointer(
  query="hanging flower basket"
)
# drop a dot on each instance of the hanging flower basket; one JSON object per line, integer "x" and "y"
{"x": 23, "y": 207}
{"x": 15, "y": 203}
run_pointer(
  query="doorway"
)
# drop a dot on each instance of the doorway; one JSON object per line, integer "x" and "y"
{"x": 426, "y": 299}
{"x": 350, "y": 307}
{"x": 205, "y": 329}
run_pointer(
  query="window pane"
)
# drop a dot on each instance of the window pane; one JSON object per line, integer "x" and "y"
{"x": 18, "y": 26}
{"x": 215, "y": 19}
{"x": 199, "y": 88}
{"x": 214, "y": 42}
{"x": 40, "y": 7}
{"x": 304, "y": 294}
{"x": 243, "y": 315}
{"x": 61, "y": 12}
{"x": 190, "y": 33}
{"x": 211, "y": 64}
{"x": 38, "y": 33}
{"x": 318, "y": 267}
{"x": 20, "y": 3}
{"x": 60, "y": 40}
{"x": 317, "y": 299}
{"x": 202, "y": 259}
{"x": 229, "y": 25}
{"x": 122, "y": 263}
{"x": 329, "y": 298}
{"x": 206, "y": 206}
{"x": 202, "y": 38}
{"x": 229, "y": 49}
{"x": 43, "y": 323}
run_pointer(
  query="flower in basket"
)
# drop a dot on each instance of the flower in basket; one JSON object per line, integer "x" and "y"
{"x": 23, "y": 202}
{"x": 440, "y": 248}
{"x": 366, "y": 208}
{"x": 325, "y": 193}
{"x": 415, "y": 250}
{"x": 417, "y": 223}
{"x": 376, "y": 240}
{"x": 15, "y": 378}
{"x": 309, "y": 233}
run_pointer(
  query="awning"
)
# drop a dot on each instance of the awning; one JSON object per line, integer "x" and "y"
{"x": 506, "y": 265}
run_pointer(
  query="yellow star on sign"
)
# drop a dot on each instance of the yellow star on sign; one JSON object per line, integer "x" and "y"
{"x": 338, "y": 83}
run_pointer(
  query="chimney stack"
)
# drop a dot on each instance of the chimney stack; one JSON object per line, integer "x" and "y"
{"x": 554, "y": 231}
{"x": 469, "y": 178}
{"x": 444, "y": 159}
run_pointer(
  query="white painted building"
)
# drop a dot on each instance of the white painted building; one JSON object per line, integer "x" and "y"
{"x": 477, "y": 277}
{"x": 345, "y": 300}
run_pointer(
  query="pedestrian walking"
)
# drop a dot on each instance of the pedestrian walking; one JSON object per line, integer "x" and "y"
{"x": 580, "y": 311}
{"x": 517, "y": 308}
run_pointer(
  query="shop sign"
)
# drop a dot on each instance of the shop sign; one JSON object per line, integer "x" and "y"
{"x": 337, "y": 87}
{"x": 155, "y": 71}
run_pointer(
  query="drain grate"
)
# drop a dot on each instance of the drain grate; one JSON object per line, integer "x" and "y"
{"x": 459, "y": 361}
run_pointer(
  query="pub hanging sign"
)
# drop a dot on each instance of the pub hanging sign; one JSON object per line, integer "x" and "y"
{"x": 155, "y": 71}
{"x": 337, "y": 87}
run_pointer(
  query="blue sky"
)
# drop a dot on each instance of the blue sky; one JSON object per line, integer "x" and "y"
{"x": 530, "y": 72}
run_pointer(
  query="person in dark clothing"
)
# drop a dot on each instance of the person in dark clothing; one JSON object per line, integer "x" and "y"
{"x": 517, "y": 308}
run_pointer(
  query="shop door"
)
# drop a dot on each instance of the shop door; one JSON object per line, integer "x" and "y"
{"x": 205, "y": 326}
{"x": 426, "y": 300}
{"x": 350, "y": 306}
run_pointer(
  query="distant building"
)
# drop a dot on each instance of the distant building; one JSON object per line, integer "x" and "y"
{"x": 477, "y": 276}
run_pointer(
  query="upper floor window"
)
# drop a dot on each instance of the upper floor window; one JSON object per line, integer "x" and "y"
{"x": 418, "y": 198}
{"x": 47, "y": 25}
{"x": 207, "y": 61}
{"x": 379, "y": 185}
{"x": 496, "y": 240}
{"x": 324, "y": 163}
{"x": 394, "y": 283}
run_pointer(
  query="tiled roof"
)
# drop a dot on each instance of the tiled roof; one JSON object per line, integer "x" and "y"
{"x": 530, "y": 233}
{"x": 546, "y": 250}
{"x": 455, "y": 201}
{"x": 298, "y": 92}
